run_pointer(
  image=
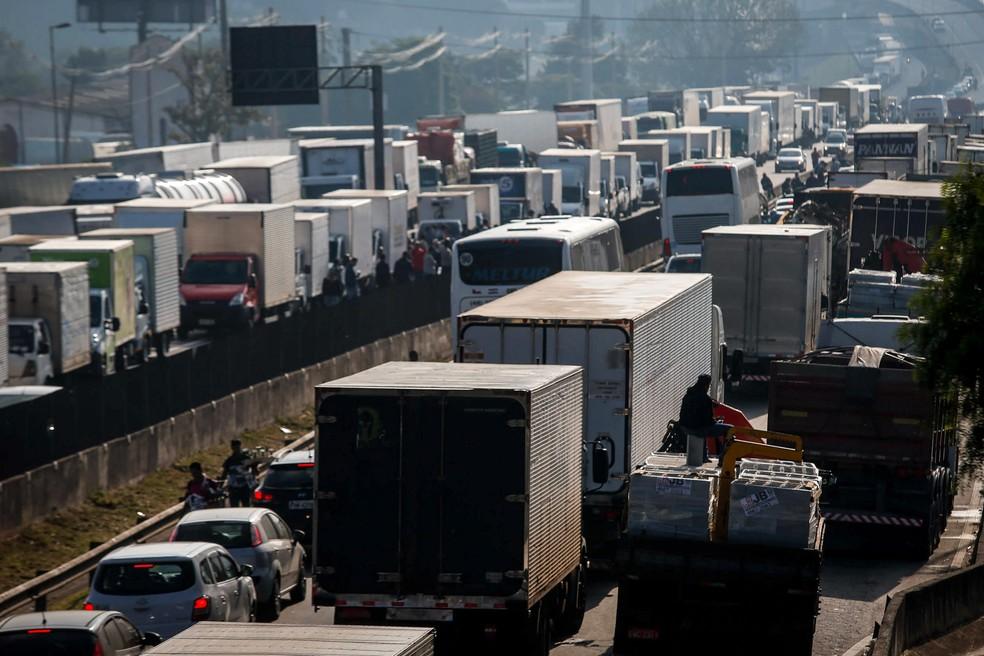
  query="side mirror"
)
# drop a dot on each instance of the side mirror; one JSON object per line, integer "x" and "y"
{"x": 115, "y": 323}
{"x": 252, "y": 281}
{"x": 246, "y": 570}
{"x": 151, "y": 639}
{"x": 600, "y": 463}
{"x": 44, "y": 348}
{"x": 143, "y": 308}
{"x": 299, "y": 536}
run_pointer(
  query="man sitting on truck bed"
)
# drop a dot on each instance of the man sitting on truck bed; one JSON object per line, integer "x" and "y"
{"x": 697, "y": 413}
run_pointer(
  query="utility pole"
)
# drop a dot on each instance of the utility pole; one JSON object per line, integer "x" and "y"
{"x": 224, "y": 32}
{"x": 143, "y": 19}
{"x": 54, "y": 84}
{"x": 587, "y": 74}
{"x": 440, "y": 80}
{"x": 323, "y": 41}
{"x": 495, "y": 61}
{"x": 528, "y": 100}
{"x": 346, "y": 61}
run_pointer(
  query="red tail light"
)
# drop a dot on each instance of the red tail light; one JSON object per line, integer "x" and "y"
{"x": 39, "y": 630}
{"x": 88, "y": 606}
{"x": 200, "y": 609}
{"x": 666, "y": 248}
{"x": 257, "y": 538}
{"x": 305, "y": 465}
{"x": 260, "y": 495}
{"x": 97, "y": 649}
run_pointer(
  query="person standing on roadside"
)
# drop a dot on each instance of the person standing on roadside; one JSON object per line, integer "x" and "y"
{"x": 239, "y": 476}
{"x": 403, "y": 270}
{"x": 382, "y": 270}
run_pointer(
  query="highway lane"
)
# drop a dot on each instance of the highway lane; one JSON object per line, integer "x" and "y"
{"x": 854, "y": 587}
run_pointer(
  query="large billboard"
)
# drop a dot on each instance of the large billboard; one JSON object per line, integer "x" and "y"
{"x": 159, "y": 11}
{"x": 274, "y": 65}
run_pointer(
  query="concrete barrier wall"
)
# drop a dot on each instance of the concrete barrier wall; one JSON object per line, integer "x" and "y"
{"x": 71, "y": 480}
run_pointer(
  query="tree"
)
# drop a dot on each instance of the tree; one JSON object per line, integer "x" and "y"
{"x": 208, "y": 110}
{"x": 694, "y": 53}
{"x": 951, "y": 338}
{"x": 20, "y": 74}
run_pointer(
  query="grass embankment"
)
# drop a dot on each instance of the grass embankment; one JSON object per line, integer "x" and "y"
{"x": 47, "y": 543}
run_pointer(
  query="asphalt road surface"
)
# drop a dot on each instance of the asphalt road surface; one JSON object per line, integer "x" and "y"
{"x": 854, "y": 586}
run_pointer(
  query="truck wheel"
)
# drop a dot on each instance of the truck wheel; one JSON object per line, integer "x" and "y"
{"x": 163, "y": 344}
{"x": 541, "y": 638}
{"x": 575, "y": 604}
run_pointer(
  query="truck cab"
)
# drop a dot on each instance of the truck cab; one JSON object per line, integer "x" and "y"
{"x": 431, "y": 175}
{"x": 219, "y": 289}
{"x": 512, "y": 155}
{"x": 29, "y": 352}
{"x": 103, "y": 325}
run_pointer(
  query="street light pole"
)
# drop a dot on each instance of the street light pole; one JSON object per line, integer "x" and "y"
{"x": 54, "y": 84}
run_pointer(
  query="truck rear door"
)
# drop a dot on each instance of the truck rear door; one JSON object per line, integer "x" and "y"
{"x": 602, "y": 352}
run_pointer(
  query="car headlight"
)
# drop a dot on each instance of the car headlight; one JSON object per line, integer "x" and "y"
{"x": 237, "y": 299}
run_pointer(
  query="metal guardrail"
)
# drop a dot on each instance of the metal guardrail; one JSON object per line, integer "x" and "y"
{"x": 37, "y": 590}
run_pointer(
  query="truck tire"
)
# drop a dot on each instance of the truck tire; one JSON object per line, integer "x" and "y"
{"x": 575, "y": 604}
{"x": 540, "y": 638}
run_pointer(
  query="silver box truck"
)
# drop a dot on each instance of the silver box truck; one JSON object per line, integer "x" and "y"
{"x": 769, "y": 281}
{"x": 450, "y": 495}
{"x": 642, "y": 339}
{"x": 329, "y": 164}
{"x": 653, "y": 155}
{"x": 349, "y": 228}
{"x": 47, "y": 303}
{"x": 406, "y": 168}
{"x": 552, "y": 180}
{"x": 606, "y": 112}
{"x": 536, "y": 129}
{"x": 908, "y": 141}
{"x": 486, "y": 201}
{"x": 581, "y": 179}
{"x": 745, "y": 122}
{"x": 520, "y": 190}
{"x": 311, "y": 247}
{"x": 265, "y": 179}
{"x": 183, "y": 158}
{"x": 389, "y": 219}
{"x": 56, "y": 220}
{"x": 157, "y": 213}
{"x": 679, "y": 140}
{"x": 783, "y": 113}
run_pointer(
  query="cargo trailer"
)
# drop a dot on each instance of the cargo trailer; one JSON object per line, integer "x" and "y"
{"x": 17, "y": 248}
{"x": 239, "y": 265}
{"x": 446, "y": 215}
{"x": 241, "y": 639}
{"x": 389, "y": 219}
{"x": 311, "y": 245}
{"x": 178, "y": 158}
{"x": 678, "y": 139}
{"x": 580, "y": 179}
{"x": 908, "y": 141}
{"x": 630, "y": 127}
{"x": 535, "y": 129}
{"x": 685, "y": 105}
{"x": 894, "y": 223}
{"x": 520, "y": 190}
{"x": 653, "y": 155}
{"x": 772, "y": 285}
{"x": 889, "y": 442}
{"x": 255, "y": 148}
{"x": 782, "y": 114}
{"x": 111, "y": 290}
{"x": 847, "y": 101}
{"x": 486, "y": 202}
{"x": 349, "y": 229}
{"x": 393, "y": 131}
{"x": 408, "y": 530}
{"x": 330, "y": 164}
{"x": 48, "y": 304}
{"x": 484, "y": 143}
{"x": 58, "y": 220}
{"x": 642, "y": 340}
{"x": 406, "y": 171}
{"x": 156, "y": 275}
{"x": 552, "y": 181}
{"x": 607, "y": 114}
{"x": 265, "y": 179}
{"x": 157, "y": 213}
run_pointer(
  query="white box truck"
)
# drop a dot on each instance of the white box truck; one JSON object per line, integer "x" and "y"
{"x": 627, "y": 172}
{"x": 157, "y": 213}
{"x": 486, "y": 201}
{"x": 679, "y": 142}
{"x": 48, "y": 315}
{"x": 389, "y": 219}
{"x": 782, "y": 112}
{"x": 535, "y": 129}
{"x": 256, "y": 148}
{"x": 330, "y": 164}
{"x": 178, "y": 158}
{"x": 652, "y": 155}
{"x": 56, "y": 220}
{"x": 552, "y": 181}
{"x": 520, "y": 190}
{"x": 17, "y": 248}
{"x": 239, "y": 264}
{"x": 349, "y": 229}
{"x": 446, "y": 214}
{"x": 745, "y": 123}
{"x": 607, "y": 112}
{"x": 311, "y": 253}
{"x": 406, "y": 170}
{"x": 265, "y": 179}
{"x": 581, "y": 179}
{"x": 155, "y": 269}
{"x": 769, "y": 281}
{"x": 642, "y": 340}
{"x": 4, "y": 343}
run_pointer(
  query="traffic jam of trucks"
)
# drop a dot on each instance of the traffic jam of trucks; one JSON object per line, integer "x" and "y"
{"x": 551, "y": 443}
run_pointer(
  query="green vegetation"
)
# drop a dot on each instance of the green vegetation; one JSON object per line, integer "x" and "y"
{"x": 47, "y": 543}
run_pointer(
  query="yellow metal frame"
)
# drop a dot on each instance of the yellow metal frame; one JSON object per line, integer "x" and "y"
{"x": 740, "y": 448}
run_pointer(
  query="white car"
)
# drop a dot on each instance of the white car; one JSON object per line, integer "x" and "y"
{"x": 260, "y": 538}
{"x": 790, "y": 159}
{"x": 165, "y": 587}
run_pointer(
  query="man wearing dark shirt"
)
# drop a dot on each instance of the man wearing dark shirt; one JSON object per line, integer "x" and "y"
{"x": 697, "y": 413}
{"x": 238, "y": 472}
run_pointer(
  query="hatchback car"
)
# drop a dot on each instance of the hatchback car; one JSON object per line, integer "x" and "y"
{"x": 71, "y": 632}
{"x": 257, "y": 537}
{"x": 790, "y": 159}
{"x": 165, "y": 588}
{"x": 288, "y": 490}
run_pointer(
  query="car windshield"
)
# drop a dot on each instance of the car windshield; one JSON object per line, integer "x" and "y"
{"x": 510, "y": 212}
{"x": 292, "y": 477}
{"x": 836, "y": 137}
{"x": 231, "y": 535}
{"x": 144, "y": 578}
{"x": 789, "y": 152}
{"x": 46, "y": 642}
{"x": 215, "y": 272}
{"x": 429, "y": 176}
{"x": 509, "y": 261}
{"x": 648, "y": 169}
{"x": 570, "y": 194}
{"x": 20, "y": 339}
{"x": 679, "y": 264}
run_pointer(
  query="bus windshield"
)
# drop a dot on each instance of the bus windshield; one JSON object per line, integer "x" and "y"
{"x": 509, "y": 261}
{"x": 699, "y": 182}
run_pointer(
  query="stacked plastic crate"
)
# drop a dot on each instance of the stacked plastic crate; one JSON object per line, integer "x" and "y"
{"x": 775, "y": 503}
{"x": 669, "y": 499}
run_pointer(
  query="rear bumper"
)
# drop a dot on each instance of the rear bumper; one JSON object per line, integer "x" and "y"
{"x": 205, "y": 314}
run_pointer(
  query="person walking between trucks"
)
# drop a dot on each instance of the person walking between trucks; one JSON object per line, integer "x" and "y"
{"x": 417, "y": 256}
{"x": 697, "y": 413}
{"x": 767, "y": 187}
{"x": 382, "y": 269}
{"x": 815, "y": 155}
{"x": 238, "y": 473}
{"x": 351, "y": 277}
{"x": 403, "y": 269}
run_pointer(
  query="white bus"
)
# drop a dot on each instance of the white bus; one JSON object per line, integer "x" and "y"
{"x": 706, "y": 193}
{"x": 928, "y": 109}
{"x": 494, "y": 262}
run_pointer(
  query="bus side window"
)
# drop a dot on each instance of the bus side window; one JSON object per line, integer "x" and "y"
{"x": 597, "y": 255}
{"x": 612, "y": 247}
{"x": 577, "y": 256}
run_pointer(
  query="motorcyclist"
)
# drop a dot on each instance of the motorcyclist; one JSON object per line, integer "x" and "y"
{"x": 200, "y": 490}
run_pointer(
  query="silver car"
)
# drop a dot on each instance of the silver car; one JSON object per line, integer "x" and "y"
{"x": 260, "y": 538}
{"x": 165, "y": 588}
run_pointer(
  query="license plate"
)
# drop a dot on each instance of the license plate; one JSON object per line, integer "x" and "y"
{"x": 206, "y": 322}
{"x": 419, "y": 614}
{"x": 643, "y": 634}
{"x": 300, "y": 505}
